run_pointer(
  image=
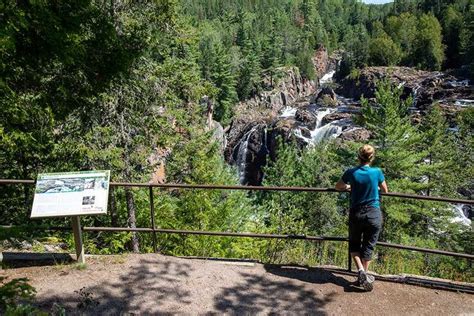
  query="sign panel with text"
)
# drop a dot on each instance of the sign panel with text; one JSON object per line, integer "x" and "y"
{"x": 71, "y": 194}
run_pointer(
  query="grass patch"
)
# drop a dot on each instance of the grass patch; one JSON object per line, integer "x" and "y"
{"x": 80, "y": 266}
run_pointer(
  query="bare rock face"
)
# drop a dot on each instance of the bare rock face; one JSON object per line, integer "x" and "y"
{"x": 356, "y": 134}
{"x": 335, "y": 117}
{"x": 321, "y": 60}
{"x": 255, "y": 130}
{"x": 157, "y": 161}
{"x": 326, "y": 97}
{"x": 218, "y": 134}
{"x": 425, "y": 87}
{"x": 286, "y": 90}
{"x": 283, "y": 130}
{"x": 306, "y": 117}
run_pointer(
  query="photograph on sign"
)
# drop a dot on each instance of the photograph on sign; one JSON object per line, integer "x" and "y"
{"x": 71, "y": 194}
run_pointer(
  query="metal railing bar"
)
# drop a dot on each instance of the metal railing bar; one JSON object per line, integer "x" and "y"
{"x": 427, "y": 250}
{"x": 13, "y": 181}
{"x": 275, "y": 236}
{"x": 212, "y": 233}
{"x": 257, "y": 188}
{"x": 155, "y": 230}
{"x": 152, "y": 216}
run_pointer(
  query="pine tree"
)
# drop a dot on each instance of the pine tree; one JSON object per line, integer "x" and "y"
{"x": 399, "y": 156}
{"x": 271, "y": 51}
{"x": 467, "y": 40}
{"x": 198, "y": 161}
{"x": 403, "y": 31}
{"x": 439, "y": 143}
{"x": 224, "y": 80}
{"x": 249, "y": 82}
{"x": 452, "y": 29}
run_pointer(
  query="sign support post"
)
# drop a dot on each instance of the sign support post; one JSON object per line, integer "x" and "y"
{"x": 76, "y": 229}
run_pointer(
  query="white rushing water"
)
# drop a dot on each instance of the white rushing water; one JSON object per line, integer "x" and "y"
{"x": 242, "y": 154}
{"x": 414, "y": 96}
{"x": 327, "y": 78}
{"x": 459, "y": 215}
{"x": 288, "y": 112}
{"x": 321, "y": 132}
{"x": 330, "y": 130}
{"x": 459, "y": 83}
{"x": 320, "y": 114}
{"x": 464, "y": 103}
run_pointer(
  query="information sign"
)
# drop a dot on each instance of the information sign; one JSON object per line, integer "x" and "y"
{"x": 71, "y": 194}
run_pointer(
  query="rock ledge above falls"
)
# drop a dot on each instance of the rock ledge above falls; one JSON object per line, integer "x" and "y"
{"x": 426, "y": 86}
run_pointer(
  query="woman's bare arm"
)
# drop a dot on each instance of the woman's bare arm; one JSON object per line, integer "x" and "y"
{"x": 383, "y": 187}
{"x": 341, "y": 186}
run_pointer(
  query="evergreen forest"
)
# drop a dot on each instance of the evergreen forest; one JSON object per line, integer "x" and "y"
{"x": 119, "y": 85}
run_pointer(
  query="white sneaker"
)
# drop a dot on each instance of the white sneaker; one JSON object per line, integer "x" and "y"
{"x": 366, "y": 281}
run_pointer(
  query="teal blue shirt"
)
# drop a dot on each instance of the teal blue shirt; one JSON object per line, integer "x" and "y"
{"x": 364, "y": 181}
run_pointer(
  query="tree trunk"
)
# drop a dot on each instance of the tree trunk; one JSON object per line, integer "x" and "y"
{"x": 132, "y": 223}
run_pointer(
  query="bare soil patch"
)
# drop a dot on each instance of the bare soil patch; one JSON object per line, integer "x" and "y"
{"x": 157, "y": 284}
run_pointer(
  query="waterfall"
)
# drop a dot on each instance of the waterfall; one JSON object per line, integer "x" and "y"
{"x": 288, "y": 112}
{"x": 242, "y": 154}
{"x": 330, "y": 130}
{"x": 458, "y": 83}
{"x": 415, "y": 95}
{"x": 327, "y": 78}
{"x": 321, "y": 133}
{"x": 464, "y": 103}
{"x": 320, "y": 114}
{"x": 459, "y": 215}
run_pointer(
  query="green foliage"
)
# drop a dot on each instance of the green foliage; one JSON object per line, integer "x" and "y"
{"x": 452, "y": 22}
{"x": 467, "y": 40}
{"x": 442, "y": 154}
{"x": 396, "y": 140}
{"x": 428, "y": 47}
{"x": 198, "y": 162}
{"x": 13, "y": 293}
{"x": 384, "y": 52}
{"x": 305, "y": 64}
{"x": 101, "y": 85}
{"x": 302, "y": 213}
{"x": 403, "y": 30}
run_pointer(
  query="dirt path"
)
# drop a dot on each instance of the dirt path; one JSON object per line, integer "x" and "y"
{"x": 155, "y": 284}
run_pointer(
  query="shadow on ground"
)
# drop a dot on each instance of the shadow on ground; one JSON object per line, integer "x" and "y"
{"x": 312, "y": 275}
{"x": 148, "y": 289}
{"x": 28, "y": 259}
{"x": 260, "y": 295}
{"x": 157, "y": 286}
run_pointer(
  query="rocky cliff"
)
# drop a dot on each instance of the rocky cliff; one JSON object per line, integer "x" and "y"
{"x": 425, "y": 87}
{"x": 252, "y": 135}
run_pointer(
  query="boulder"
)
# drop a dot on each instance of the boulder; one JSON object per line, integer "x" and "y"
{"x": 305, "y": 132}
{"x": 335, "y": 116}
{"x": 305, "y": 116}
{"x": 326, "y": 97}
{"x": 356, "y": 134}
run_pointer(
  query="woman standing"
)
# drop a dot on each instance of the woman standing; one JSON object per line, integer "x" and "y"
{"x": 365, "y": 217}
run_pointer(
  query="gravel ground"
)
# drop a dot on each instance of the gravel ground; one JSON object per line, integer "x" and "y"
{"x": 155, "y": 284}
